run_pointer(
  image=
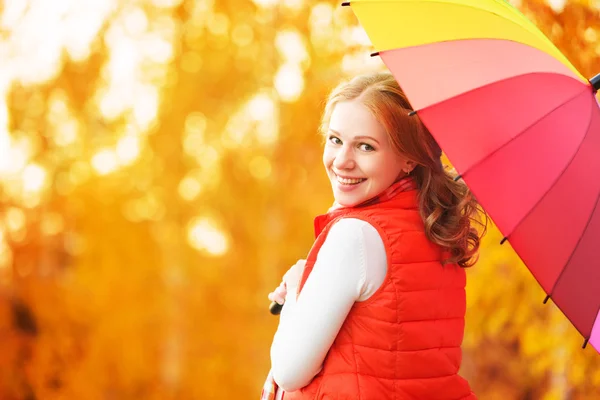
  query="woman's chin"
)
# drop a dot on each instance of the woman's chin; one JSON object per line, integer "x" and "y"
{"x": 346, "y": 201}
{"x": 348, "y": 195}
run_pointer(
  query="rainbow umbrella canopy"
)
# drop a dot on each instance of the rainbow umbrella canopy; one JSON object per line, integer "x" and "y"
{"x": 519, "y": 123}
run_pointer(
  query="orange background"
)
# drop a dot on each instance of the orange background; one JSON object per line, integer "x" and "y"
{"x": 159, "y": 172}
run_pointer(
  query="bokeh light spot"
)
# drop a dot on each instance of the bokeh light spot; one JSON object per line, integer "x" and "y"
{"x": 66, "y": 134}
{"x": 290, "y": 45}
{"x": 105, "y": 162}
{"x": 191, "y": 61}
{"x": 14, "y": 219}
{"x": 203, "y": 235}
{"x": 218, "y": 25}
{"x": 591, "y": 35}
{"x": 321, "y": 15}
{"x": 5, "y": 148}
{"x": 128, "y": 149}
{"x": 242, "y": 35}
{"x": 79, "y": 173}
{"x": 557, "y": 5}
{"x": 166, "y": 3}
{"x": 52, "y": 223}
{"x": 261, "y": 107}
{"x": 193, "y": 135}
{"x": 74, "y": 243}
{"x": 34, "y": 177}
{"x": 265, "y": 3}
{"x": 189, "y": 188}
{"x": 136, "y": 22}
{"x": 260, "y": 167}
{"x": 289, "y": 82}
{"x": 294, "y": 5}
{"x": 146, "y": 105}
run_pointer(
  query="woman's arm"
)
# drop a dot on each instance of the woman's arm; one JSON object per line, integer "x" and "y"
{"x": 350, "y": 266}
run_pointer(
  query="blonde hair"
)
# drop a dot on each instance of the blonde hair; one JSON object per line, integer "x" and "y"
{"x": 450, "y": 212}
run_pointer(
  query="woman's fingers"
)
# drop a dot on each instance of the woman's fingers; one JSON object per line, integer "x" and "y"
{"x": 278, "y": 295}
{"x": 277, "y": 298}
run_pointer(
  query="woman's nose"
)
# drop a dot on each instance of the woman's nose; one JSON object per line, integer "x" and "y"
{"x": 344, "y": 158}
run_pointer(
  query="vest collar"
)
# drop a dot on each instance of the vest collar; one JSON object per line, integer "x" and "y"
{"x": 401, "y": 194}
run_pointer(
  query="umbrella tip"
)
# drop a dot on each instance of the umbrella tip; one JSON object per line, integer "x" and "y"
{"x": 346, "y": 3}
{"x": 410, "y": 114}
{"x": 546, "y": 299}
{"x": 585, "y": 342}
{"x": 595, "y": 81}
{"x": 457, "y": 178}
{"x": 375, "y": 54}
{"x": 504, "y": 240}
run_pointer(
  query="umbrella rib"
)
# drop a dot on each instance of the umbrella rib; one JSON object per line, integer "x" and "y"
{"x": 586, "y": 337}
{"x": 562, "y": 172}
{"x": 587, "y": 225}
{"x": 487, "y": 85}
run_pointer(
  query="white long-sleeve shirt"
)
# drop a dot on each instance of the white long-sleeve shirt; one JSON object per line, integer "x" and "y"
{"x": 351, "y": 265}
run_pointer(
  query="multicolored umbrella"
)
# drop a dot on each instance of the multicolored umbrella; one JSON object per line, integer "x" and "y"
{"x": 518, "y": 122}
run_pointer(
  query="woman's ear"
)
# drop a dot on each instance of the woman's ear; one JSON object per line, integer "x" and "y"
{"x": 409, "y": 166}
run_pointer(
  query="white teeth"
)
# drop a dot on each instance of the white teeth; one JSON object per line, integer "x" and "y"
{"x": 346, "y": 181}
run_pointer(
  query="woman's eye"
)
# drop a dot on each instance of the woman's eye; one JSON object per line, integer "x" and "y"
{"x": 335, "y": 140}
{"x": 366, "y": 147}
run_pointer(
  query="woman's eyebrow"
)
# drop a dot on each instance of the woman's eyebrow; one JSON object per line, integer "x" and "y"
{"x": 360, "y": 137}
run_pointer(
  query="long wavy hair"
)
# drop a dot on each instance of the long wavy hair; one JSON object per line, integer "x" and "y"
{"x": 452, "y": 216}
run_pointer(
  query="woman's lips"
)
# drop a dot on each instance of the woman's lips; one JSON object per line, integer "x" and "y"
{"x": 348, "y": 184}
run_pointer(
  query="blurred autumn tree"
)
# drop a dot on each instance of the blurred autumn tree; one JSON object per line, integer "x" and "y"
{"x": 159, "y": 171}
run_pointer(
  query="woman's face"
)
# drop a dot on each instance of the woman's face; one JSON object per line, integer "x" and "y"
{"x": 358, "y": 156}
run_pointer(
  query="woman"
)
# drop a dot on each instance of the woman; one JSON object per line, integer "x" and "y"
{"x": 377, "y": 310}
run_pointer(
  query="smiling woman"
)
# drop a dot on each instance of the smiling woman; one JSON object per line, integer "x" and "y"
{"x": 377, "y": 308}
{"x": 358, "y": 156}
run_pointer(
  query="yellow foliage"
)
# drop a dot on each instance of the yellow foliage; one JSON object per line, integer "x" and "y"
{"x": 159, "y": 171}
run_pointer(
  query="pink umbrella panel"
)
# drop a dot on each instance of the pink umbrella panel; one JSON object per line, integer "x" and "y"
{"x": 524, "y": 133}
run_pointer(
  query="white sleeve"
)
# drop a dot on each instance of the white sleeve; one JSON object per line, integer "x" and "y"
{"x": 350, "y": 266}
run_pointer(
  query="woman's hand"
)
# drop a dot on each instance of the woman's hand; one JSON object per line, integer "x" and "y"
{"x": 290, "y": 282}
{"x": 278, "y": 295}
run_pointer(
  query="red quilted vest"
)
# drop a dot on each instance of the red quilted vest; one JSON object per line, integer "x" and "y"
{"x": 404, "y": 342}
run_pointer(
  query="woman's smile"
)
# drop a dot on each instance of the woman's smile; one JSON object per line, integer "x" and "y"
{"x": 345, "y": 184}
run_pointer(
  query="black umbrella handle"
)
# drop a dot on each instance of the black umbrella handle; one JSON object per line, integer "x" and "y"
{"x": 275, "y": 308}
